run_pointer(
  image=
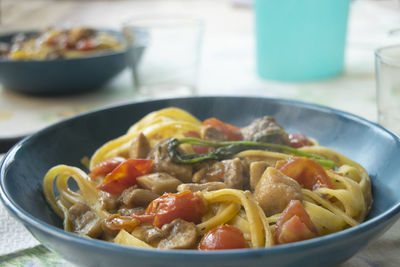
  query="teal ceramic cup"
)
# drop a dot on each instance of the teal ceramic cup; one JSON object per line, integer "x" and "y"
{"x": 300, "y": 40}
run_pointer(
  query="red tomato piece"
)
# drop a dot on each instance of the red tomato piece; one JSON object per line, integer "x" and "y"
{"x": 232, "y": 132}
{"x": 86, "y": 45}
{"x": 168, "y": 207}
{"x": 294, "y": 224}
{"x": 118, "y": 222}
{"x": 306, "y": 172}
{"x": 196, "y": 148}
{"x": 223, "y": 237}
{"x": 298, "y": 140}
{"x": 113, "y": 187}
{"x": 143, "y": 217}
{"x": 125, "y": 175}
{"x": 105, "y": 167}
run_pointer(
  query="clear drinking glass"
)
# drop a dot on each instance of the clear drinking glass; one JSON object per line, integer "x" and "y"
{"x": 164, "y": 55}
{"x": 387, "y": 63}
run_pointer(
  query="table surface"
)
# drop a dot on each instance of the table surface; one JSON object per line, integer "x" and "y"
{"x": 227, "y": 68}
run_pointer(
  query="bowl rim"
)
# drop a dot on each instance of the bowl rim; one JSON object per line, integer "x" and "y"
{"x": 100, "y": 54}
{"x": 28, "y": 219}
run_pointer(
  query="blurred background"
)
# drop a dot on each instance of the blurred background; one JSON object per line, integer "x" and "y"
{"x": 227, "y": 63}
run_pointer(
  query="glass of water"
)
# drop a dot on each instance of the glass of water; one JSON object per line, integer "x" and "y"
{"x": 387, "y": 62}
{"x": 164, "y": 54}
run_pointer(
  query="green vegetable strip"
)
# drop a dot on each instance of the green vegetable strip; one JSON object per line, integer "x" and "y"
{"x": 229, "y": 148}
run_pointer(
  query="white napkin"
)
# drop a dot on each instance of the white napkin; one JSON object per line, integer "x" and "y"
{"x": 13, "y": 235}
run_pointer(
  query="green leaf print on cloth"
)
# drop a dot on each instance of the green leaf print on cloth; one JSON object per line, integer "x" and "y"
{"x": 33, "y": 257}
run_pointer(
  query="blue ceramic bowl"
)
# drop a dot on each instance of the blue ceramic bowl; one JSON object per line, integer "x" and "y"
{"x": 61, "y": 76}
{"x": 67, "y": 142}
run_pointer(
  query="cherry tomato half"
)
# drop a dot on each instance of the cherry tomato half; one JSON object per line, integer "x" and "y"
{"x": 105, "y": 167}
{"x": 196, "y": 148}
{"x": 298, "y": 140}
{"x": 232, "y": 132}
{"x": 294, "y": 224}
{"x": 125, "y": 175}
{"x": 306, "y": 172}
{"x": 223, "y": 237}
{"x": 168, "y": 207}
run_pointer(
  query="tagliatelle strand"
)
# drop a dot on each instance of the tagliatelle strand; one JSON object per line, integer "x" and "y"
{"x": 87, "y": 190}
{"x": 225, "y": 213}
{"x": 258, "y": 231}
{"x": 156, "y": 126}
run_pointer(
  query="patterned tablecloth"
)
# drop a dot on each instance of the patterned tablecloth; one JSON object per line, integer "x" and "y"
{"x": 227, "y": 68}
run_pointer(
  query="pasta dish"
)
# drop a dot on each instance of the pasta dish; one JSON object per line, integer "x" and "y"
{"x": 174, "y": 182}
{"x": 58, "y": 43}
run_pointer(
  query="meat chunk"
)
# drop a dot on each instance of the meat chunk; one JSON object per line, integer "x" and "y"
{"x": 209, "y": 173}
{"x": 180, "y": 234}
{"x": 140, "y": 147}
{"x": 265, "y": 129}
{"x": 211, "y": 133}
{"x": 149, "y": 234}
{"x": 163, "y": 163}
{"x": 137, "y": 197}
{"x": 84, "y": 221}
{"x": 229, "y": 171}
{"x": 128, "y": 212}
{"x": 211, "y": 186}
{"x": 275, "y": 190}
{"x": 153, "y": 234}
{"x": 109, "y": 202}
{"x": 257, "y": 168}
{"x": 233, "y": 173}
{"x": 159, "y": 182}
